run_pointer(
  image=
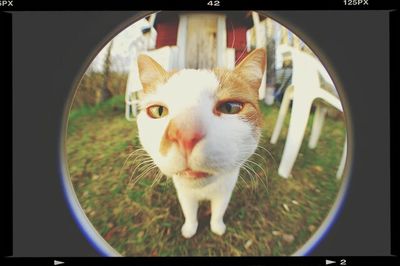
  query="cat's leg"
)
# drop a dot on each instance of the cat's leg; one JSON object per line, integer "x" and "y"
{"x": 189, "y": 207}
{"x": 218, "y": 208}
{"x": 220, "y": 201}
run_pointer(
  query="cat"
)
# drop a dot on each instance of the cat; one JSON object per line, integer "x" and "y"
{"x": 199, "y": 127}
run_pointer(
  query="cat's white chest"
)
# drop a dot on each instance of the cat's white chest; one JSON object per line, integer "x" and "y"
{"x": 218, "y": 191}
{"x": 222, "y": 186}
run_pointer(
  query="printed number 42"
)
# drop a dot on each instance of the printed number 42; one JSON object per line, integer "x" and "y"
{"x": 213, "y": 3}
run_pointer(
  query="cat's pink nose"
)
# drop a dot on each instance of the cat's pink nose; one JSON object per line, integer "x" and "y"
{"x": 186, "y": 133}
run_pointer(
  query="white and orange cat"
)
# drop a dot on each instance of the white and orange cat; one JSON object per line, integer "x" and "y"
{"x": 199, "y": 127}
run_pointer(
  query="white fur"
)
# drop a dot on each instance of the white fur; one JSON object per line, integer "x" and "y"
{"x": 229, "y": 141}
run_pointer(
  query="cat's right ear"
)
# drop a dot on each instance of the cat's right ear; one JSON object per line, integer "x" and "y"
{"x": 151, "y": 73}
{"x": 252, "y": 67}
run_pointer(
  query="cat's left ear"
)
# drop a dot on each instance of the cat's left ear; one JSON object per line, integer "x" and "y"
{"x": 252, "y": 67}
{"x": 151, "y": 73}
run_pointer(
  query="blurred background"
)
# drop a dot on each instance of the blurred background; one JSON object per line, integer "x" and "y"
{"x": 189, "y": 40}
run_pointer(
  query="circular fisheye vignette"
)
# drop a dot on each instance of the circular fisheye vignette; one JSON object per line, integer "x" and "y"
{"x": 331, "y": 218}
{"x": 316, "y": 238}
{"x": 102, "y": 246}
{"x": 84, "y": 224}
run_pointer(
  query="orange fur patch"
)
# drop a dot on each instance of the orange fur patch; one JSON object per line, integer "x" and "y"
{"x": 165, "y": 141}
{"x": 234, "y": 87}
{"x": 242, "y": 85}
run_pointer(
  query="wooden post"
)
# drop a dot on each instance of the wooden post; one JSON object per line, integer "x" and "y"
{"x": 296, "y": 42}
{"x": 256, "y": 22}
{"x": 181, "y": 40}
{"x": 284, "y": 35}
{"x": 221, "y": 41}
{"x": 270, "y": 75}
{"x": 259, "y": 44}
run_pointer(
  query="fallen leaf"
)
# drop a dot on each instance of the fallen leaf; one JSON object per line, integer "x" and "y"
{"x": 276, "y": 233}
{"x": 110, "y": 233}
{"x": 311, "y": 228}
{"x": 286, "y": 207}
{"x": 318, "y": 168}
{"x": 288, "y": 238}
{"x": 140, "y": 234}
{"x": 248, "y": 244}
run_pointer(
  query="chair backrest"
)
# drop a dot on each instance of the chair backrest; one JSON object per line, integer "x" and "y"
{"x": 305, "y": 67}
{"x": 305, "y": 70}
{"x": 305, "y": 76}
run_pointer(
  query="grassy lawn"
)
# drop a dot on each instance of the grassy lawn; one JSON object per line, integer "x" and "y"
{"x": 145, "y": 220}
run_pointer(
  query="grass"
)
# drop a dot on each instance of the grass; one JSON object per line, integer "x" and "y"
{"x": 145, "y": 220}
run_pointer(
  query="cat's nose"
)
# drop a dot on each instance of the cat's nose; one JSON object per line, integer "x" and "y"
{"x": 186, "y": 133}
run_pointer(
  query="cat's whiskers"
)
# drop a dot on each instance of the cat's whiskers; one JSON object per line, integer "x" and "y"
{"x": 142, "y": 163}
{"x": 249, "y": 164}
{"x": 136, "y": 163}
{"x": 247, "y": 169}
{"x": 256, "y": 176}
{"x": 137, "y": 153}
{"x": 147, "y": 163}
{"x": 140, "y": 156}
{"x": 270, "y": 154}
{"x": 145, "y": 166}
{"x": 149, "y": 172}
{"x": 128, "y": 158}
{"x": 139, "y": 164}
{"x": 158, "y": 177}
{"x": 241, "y": 55}
{"x": 259, "y": 156}
{"x": 262, "y": 169}
{"x": 244, "y": 180}
{"x": 239, "y": 184}
{"x": 144, "y": 173}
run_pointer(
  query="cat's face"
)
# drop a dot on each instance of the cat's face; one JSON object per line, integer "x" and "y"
{"x": 200, "y": 123}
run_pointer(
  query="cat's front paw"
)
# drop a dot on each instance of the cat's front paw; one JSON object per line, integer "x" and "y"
{"x": 218, "y": 227}
{"x": 189, "y": 229}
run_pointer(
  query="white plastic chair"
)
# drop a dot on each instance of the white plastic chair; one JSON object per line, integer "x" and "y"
{"x": 166, "y": 57}
{"x": 304, "y": 89}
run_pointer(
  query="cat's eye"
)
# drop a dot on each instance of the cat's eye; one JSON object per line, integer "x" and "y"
{"x": 157, "y": 111}
{"x": 229, "y": 107}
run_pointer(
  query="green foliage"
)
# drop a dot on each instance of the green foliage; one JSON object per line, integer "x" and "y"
{"x": 88, "y": 90}
{"x": 115, "y": 105}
